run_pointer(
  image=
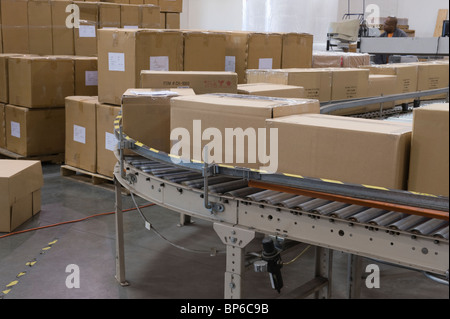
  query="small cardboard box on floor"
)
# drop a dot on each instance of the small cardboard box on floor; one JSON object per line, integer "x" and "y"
{"x": 40, "y": 81}
{"x": 317, "y": 82}
{"x": 146, "y": 115}
{"x": 201, "y": 82}
{"x": 34, "y": 132}
{"x": 123, "y": 53}
{"x": 272, "y": 90}
{"x": 81, "y": 132}
{"x": 20, "y": 192}
{"x": 349, "y": 150}
{"x": 225, "y": 112}
{"x": 429, "y": 169}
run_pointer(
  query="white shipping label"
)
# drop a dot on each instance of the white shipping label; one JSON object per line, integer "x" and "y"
{"x": 91, "y": 78}
{"x": 131, "y": 27}
{"x": 110, "y": 141}
{"x": 230, "y": 63}
{"x": 265, "y": 63}
{"x": 15, "y": 129}
{"x": 159, "y": 63}
{"x": 116, "y": 61}
{"x": 79, "y": 134}
{"x": 87, "y": 31}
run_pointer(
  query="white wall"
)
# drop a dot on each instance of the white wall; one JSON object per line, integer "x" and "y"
{"x": 311, "y": 16}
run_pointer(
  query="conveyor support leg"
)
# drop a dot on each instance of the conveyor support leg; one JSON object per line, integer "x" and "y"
{"x": 120, "y": 257}
{"x": 235, "y": 238}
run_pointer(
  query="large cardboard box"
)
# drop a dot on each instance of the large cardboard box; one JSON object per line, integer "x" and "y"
{"x": 228, "y": 115}
{"x": 297, "y": 50}
{"x": 317, "y": 82}
{"x": 40, "y": 81}
{"x": 140, "y": 16}
{"x": 40, "y": 27}
{"x": 406, "y": 77}
{"x": 170, "y": 5}
{"x": 2, "y": 126}
{"x": 20, "y": 192}
{"x": 349, "y": 150}
{"x": 429, "y": 169}
{"x": 432, "y": 76}
{"x": 34, "y": 132}
{"x": 146, "y": 115}
{"x": 85, "y": 76}
{"x": 15, "y": 26}
{"x": 4, "y": 87}
{"x": 349, "y": 83}
{"x": 201, "y": 82}
{"x": 63, "y": 37}
{"x": 124, "y": 53}
{"x": 264, "y": 51}
{"x": 379, "y": 85}
{"x": 109, "y": 15}
{"x": 106, "y": 140}
{"x": 85, "y": 36}
{"x": 272, "y": 90}
{"x": 204, "y": 51}
{"x": 172, "y": 20}
{"x": 236, "y": 53}
{"x": 81, "y": 132}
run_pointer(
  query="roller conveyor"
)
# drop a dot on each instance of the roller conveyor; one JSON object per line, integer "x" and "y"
{"x": 238, "y": 211}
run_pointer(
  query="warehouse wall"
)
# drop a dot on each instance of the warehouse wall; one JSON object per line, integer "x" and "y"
{"x": 311, "y": 16}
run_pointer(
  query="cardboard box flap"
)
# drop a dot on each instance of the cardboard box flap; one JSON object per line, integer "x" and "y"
{"x": 24, "y": 177}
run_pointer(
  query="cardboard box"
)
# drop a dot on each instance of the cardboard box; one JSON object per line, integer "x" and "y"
{"x": 236, "y": 53}
{"x": 151, "y": 17}
{"x": 429, "y": 168}
{"x": 63, "y": 37}
{"x": 15, "y": 26}
{"x": 349, "y": 150}
{"x": 379, "y": 85}
{"x": 172, "y": 20}
{"x": 85, "y": 76}
{"x": 40, "y": 81}
{"x": 406, "y": 77}
{"x": 204, "y": 51}
{"x": 34, "y": 132}
{"x": 20, "y": 192}
{"x": 4, "y": 87}
{"x": 81, "y": 133}
{"x": 85, "y": 36}
{"x": 340, "y": 59}
{"x": 146, "y": 115}
{"x": 432, "y": 76}
{"x": 317, "y": 82}
{"x": 170, "y": 5}
{"x": 224, "y": 112}
{"x": 106, "y": 140}
{"x": 109, "y": 15}
{"x": 140, "y": 16}
{"x": 124, "y": 53}
{"x": 2, "y": 126}
{"x": 297, "y": 50}
{"x": 264, "y": 51}
{"x": 201, "y": 82}
{"x": 349, "y": 83}
{"x": 40, "y": 27}
{"x": 272, "y": 90}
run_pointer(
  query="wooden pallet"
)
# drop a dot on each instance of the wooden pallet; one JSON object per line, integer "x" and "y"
{"x": 52, "y": 158}
{"x": 86, "y": 177}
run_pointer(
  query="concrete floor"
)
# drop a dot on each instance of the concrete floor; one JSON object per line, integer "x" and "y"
{"x": 154, "y": 268}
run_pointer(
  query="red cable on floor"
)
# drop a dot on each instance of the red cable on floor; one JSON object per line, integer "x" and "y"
{"x": 71, "y": 221}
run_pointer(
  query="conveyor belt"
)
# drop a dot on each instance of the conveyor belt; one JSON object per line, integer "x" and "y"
{"x": 414, "y": 236}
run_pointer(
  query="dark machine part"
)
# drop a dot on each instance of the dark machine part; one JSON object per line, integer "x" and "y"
{"x": 272, "y": 256}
